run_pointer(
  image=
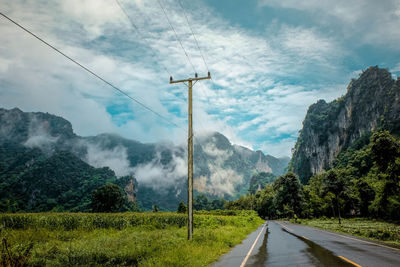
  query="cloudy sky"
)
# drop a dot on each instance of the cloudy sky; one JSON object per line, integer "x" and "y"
{"x": 269, "y": 59}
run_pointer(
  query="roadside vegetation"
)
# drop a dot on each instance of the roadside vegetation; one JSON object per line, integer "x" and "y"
{"x": 372, "y": 229}
{"x": 120, "y": 239}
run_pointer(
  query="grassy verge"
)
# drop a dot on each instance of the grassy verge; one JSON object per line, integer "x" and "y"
{"x": 134, "y": 239}
{"x": 371, "y": 229}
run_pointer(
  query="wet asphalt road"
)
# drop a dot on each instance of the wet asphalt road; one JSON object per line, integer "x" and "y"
{"x": 286, "y": 244}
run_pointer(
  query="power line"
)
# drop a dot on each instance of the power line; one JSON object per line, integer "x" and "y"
{"x": 194, "y": 36}
{"x": 198, "y": 47}
{"x": 91, "y": 72}
{"x": 139, "y": 32}
{"x": 176, "y": 35}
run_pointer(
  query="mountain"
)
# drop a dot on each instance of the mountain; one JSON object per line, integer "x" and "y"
{"x": 370, "y": 103}
{"x": 41, "y": 168}
{"x": 221, "y": 170}
{"x": 32, "y": 181}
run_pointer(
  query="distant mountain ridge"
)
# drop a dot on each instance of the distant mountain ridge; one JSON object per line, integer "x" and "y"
{"x": 370, "y": 103}
{"x": 221, "y": 169}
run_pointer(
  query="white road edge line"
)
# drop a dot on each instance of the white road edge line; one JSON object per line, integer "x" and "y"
{"x": 252, "y": 247}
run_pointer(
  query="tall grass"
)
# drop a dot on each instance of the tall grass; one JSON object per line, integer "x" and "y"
{"x": 126, "y": 239}
{"x": 91, "y": 221}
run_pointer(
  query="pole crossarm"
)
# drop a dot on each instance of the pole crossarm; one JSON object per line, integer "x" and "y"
{"x": 190, "y": 79}
{"x": 190, "y": 147}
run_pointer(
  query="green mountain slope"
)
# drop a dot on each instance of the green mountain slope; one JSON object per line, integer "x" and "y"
{"x": 31, "y": 181}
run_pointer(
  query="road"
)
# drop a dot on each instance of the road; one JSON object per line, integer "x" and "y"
{"x": 278, "y": 243}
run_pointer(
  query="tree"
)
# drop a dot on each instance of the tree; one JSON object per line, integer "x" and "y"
{"x": 201, "y": 202}
{"x": 316, "y": 202}
{"x": 217, "y": 204}
{"x": 386, "y": 155}
{"x": 366, "y": 195}
{"x": 243, "y": 203}
{"x": 181, "y": 207}
{"x": 265, "y": 202}
{"x": 288, "y": 194}
{"x": 107, "y": 198}
{"x": 337, "y": 183}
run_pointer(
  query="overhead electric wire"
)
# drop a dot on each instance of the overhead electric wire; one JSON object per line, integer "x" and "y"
{"x": 198, "y": 47}
{"x": 194, "y": 36}
{"x": 139, "y": 32}
{"x": 211, "y": 164}
{"x": 91, "y": 72}
{"x": 176, "y": 35}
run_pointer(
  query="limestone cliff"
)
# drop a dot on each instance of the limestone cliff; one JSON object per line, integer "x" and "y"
{"x": 130, "y": 190}
{"x": 371, "y": 102}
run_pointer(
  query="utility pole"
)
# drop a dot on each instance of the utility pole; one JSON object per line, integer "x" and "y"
{"x": 190, "y": 148}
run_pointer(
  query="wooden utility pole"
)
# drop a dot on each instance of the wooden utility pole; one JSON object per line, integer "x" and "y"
{"x": 190, "y": 149}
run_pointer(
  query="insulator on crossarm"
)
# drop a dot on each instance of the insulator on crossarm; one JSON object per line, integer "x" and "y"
{"x": 170, "y": 78}
{"x": 209, "y": 74}
{"x": 195, "y": 75}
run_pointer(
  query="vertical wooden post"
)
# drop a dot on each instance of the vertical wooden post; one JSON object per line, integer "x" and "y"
{"x": 190, "y": 150}
{"x": 190, "y": 166}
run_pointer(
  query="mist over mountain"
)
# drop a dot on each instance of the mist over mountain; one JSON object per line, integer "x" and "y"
{"x": 160, "y": 169}
{"x": 370, "y": 103}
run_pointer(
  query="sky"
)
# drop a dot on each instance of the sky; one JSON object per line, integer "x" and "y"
{"x": 269, "y": 61}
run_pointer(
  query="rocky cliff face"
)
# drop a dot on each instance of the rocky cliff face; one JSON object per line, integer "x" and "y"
{"x": 371, "y": 102}
{"x": 225, "y": 170}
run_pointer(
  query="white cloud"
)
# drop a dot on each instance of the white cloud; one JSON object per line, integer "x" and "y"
{"x": 396, "y": 68}
{"x": 248, "y": 70}
{"x": 222, "y": 180}
{"x": 116, "y": 158}
{"x": 306, "y": 44}
{"x": 159, "y": 176}
{"x": 93, "y": 15}
{"x": 281, "y": 148}
{"x": 38, "y": 136}
{"x": 367, "y": 21}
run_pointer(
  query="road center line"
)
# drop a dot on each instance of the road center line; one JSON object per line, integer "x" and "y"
{"x": 287, "y": 228}
{"x": 252, "y": 247}
{"x": 355, "y": 264}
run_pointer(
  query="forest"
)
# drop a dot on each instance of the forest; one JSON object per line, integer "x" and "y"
{"x": 364, "y": 182}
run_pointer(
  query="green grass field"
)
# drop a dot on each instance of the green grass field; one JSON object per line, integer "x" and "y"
{"x": 367, "y": 228}
{"x": 133, "y": 239}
